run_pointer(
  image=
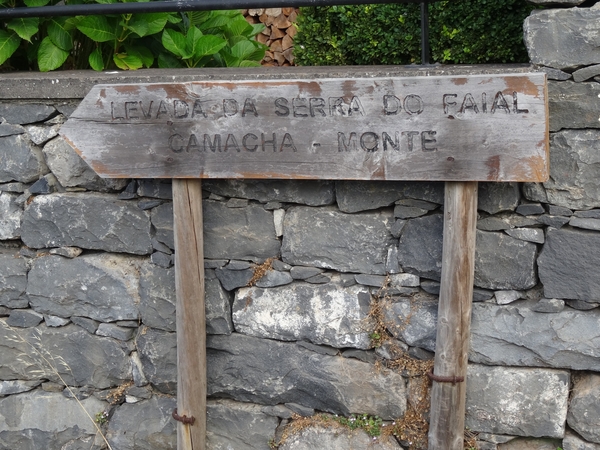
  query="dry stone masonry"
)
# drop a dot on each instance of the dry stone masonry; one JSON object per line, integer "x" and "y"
{"x": 87, "y": 291}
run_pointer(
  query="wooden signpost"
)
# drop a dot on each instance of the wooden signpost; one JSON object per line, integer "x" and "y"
{"x": 460, "y": 129}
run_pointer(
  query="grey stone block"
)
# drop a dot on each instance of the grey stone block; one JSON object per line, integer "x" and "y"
{"x": 496, "y": 197}
{"x": 555, "y": 74}
{"x": 574, "y": 442}
{"x": 40, "y": 134}
{"x": 21, "y": 160}
{"x": 6, "y": 129}
{"x": 553, "y": 221}
{"x": 24, "y": 113}
{"x": 568, "y": 265}
{"x": 145, "y": 425}
{"x": 563, "y": 38}
{"x": 55, "y": 321}
{"x": 234, "y": 425}
{"x": 13, "y": 280}
{"x": 503, "y": 262}
{"x": 302, "y": 273}
{"x": 155, "y": 188}
{"x": 586, "y": 224}
{"x": 322, "y": 314}
{"x": 274, "y": 278}
{"x": 158, "y": 353}
{"x": 24, "y": 318}
{"x": 420, "y": 247}
{"x": 517, "y": 401}
{"x": 93, "y": 221}
{"x": 80, "y": 358}
{"x": 516, "y": 335}
{"x": 535, "y": 235}
{"x": 306, "y": 192}
{"x": 17, "y": 386}
{"x": 527, "y": 209}
{"x": 44, "y": 420}
{"x": 574, "y": 169}
{"x": 549, "y": 305}
{"x": 297, "y": 375}
{"x": 233, "y": 279}
{"x": 573, "y": 105}
{"x": 99, "y": 286}
{"x": 584, "y": 408}
{"x": 330, "y": 239}
{"x": 115, "y": 331}
{"x": 254, "y": 238}
{"x": 162, "y": 220}
{"x": 10, "y": 216}
{"x": 586, "y": 73}
{"x": 89, "y": 325}
{"x": 72, "y": 171}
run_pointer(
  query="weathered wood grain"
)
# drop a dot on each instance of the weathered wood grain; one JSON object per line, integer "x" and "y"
{"x": 190, "y": 312}
{"x": 447, "y": 420}
{"x": 453, "y": 128}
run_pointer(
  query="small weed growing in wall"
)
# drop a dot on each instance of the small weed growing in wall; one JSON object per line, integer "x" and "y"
{"x": 101, "y": 418}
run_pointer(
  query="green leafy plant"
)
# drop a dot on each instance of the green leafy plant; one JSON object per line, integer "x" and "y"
{"x": 128, "y": 41}
{"x": 101, "y": 418}
{"x": 465, "y": 32}
{"x": 215, "y": 38}
{"x": 371, "y": 424}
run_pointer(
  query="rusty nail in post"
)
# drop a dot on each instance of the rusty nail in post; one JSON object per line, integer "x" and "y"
{"x": 440, "y": 379}
{"x": 183, "y": 419}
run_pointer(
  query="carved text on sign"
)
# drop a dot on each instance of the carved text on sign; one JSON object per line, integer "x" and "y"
{"x": 482, "y": 127}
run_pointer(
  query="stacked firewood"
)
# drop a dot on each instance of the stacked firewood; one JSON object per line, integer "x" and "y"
{"x": 278, "y": 34}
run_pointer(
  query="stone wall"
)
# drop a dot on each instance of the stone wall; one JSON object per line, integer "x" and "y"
{"x": 343, "y": 319}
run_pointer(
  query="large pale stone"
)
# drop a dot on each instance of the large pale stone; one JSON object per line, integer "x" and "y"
{"x": 584, "y": 410}
{"x": 336, "y": 438}
{"x": 517, "y": 401}
{"x": 568, "y": 265}
{"x": 48, "y": 420}
{"x": 330, "y": 239}
{"x": 268, "y": 372}
{"x": 103, "y": 286}
{"x": 322, "y": 314}
{"x": 574, "y": 169}
{"x": 90, "y": 221}
{"x": 563, "y": 38}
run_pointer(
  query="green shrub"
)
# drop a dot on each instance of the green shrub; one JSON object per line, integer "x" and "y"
{"x": 461, "y": 32}
{"x": 127, "y": 41}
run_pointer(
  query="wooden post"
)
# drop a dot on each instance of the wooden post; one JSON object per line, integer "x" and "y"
{"x": 447, "y": 420}
{"x": 191, "y": 321}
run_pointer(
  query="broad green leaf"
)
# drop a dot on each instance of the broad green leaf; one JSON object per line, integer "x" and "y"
{"x": 25, "y": 28}
{"x": 209, "y": 45}
{"x": 96, "y": 61}
{"x": 228, "y": 59}
{"x": 9, "y": 43}
{"x": 137, "y": 25}
{"x": 238, "y": 27}
{"x": 97, "y": 28}
{"x": 235, "y": 39}
{"x": 247, "y": 63}
{"x": 50, "y": 57}
{"x": 214, "y": 22}
{"x": 106, "y": 2}
{"x": 33, "y": 3}
{"x": 191, "y": 39}
{"x": 198, "y": 17}
{"x": 143, "y": 53}
{"x": 127, "y": 62}
{"x": 172, "y": 18}
{"x": 59, "y": 35}
{"x": 175, "y": 42}
{"x": 156, "y": 21}
{"x": 243, "y": 49}
{"x": 168, "y": 61}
